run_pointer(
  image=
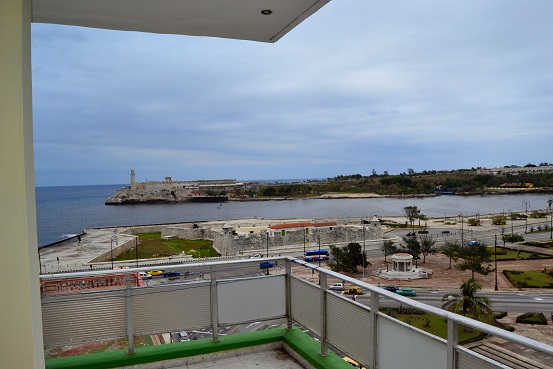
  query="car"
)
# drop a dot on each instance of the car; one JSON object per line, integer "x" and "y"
{"x": 266, "y": 264}
{"x": 255, "y": 256}
{"x": 184, "y": 337}
{"x": 391, "y": 288}
{"x": 171, "y": 274}
{"x": 354, "y": 290}
{"x": 155, "y": 272}
{"x": 144, "y": 275}
{"x": 406, "y": 292}
{"x": 337, "y": 287}
{"x": 353, "y": 363}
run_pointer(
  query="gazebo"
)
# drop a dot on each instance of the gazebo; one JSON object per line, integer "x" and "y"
{"x": 402, "y": 269}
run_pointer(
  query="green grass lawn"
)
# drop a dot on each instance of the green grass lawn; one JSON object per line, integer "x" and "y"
{"x": 151, "y": 245}
{"x": 531, "y": 278}
{"x": 436, "y": 325}
{"x": 512, "y": 254}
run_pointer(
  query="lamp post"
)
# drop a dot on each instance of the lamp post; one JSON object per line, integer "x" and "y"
{"x": 495, "y": 259}
{"x": 267, "y": 242}
{"x": 303, "y": 230}
{"x": 136, "y": 249}
{"x": 363, "y": 252}
{"x": 113, "y": 239}
{"x": 462, "y": 231}
{"x": 319, "y": 239}
{"x": 511, "y": 216}
{"x": 526, "y": 204}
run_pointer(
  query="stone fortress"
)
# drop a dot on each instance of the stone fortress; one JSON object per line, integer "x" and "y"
{"x": 247, "y": 236}
{"x": 173, "y": 191}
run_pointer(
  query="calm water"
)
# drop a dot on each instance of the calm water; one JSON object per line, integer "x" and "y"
{"x": 65, "y": 211}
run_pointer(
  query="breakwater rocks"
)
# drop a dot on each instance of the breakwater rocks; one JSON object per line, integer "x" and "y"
{"x": 126, "y": 196}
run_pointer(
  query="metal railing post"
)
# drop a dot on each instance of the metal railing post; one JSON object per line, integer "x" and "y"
{"x": 322, "y": 286}
{"x": 288, "y": 292}
{"x": 373, "y": 330}
{"x": 452, "y": 342}
{"x": 214, "y": 306}
{"x": 129, "y": 312}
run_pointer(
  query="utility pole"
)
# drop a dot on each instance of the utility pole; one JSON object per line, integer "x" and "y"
{"x": 363, "y": 251}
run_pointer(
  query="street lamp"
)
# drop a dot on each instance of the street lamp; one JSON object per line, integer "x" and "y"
{"x": 303, "y": 230}
{"x": 462, "y": 232}
{"x": 267, "y": 242}
{"x": 363, "y": 252}
{"x": 495, "y": 259}
{"x": 136, "y": 249}
{"x": 526, "y": 204}
{"x": 319, "y": 239}
{"x": 113, "y": 239}
{"x": 511, "y": 215}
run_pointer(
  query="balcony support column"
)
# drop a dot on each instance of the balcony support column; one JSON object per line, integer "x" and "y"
{"x": 373, "y": 330}
{"x": 129, "y": 312}
{"x": 322, "y": 285}
{"x": 452, "y": 342}
{"x": 21, "y": 345}
{"x": 288, "y": 286}
{"x": 214, "y": 306}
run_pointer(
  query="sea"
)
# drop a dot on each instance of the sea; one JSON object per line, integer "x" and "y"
{"x": 65, "y": 211}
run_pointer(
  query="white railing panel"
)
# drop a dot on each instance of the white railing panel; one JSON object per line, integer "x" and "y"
{"x": 305, "y": 304}
{"x": 467, "y": 359}
{"x": 78, "y": 318}
{"x": 403, "y": 346}
{"x": 244, "y": 300}
{"x": 171, "y": 308}
{"x": 348, "y": 327}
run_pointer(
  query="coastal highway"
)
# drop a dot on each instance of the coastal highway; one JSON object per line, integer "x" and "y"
{"x": 513, "y": 302}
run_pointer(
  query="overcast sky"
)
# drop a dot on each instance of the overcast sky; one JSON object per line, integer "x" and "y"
{"x": 360, "y": 85}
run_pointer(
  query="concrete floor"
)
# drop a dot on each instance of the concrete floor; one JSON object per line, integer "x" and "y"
{"x": 271, "y": 356}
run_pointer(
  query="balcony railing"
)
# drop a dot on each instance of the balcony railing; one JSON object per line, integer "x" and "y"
{"x": 88, "y": 306}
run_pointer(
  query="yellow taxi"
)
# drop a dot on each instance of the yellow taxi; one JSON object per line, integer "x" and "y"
{"x": 155, "y": 272}
{"x": 353, "y": 363}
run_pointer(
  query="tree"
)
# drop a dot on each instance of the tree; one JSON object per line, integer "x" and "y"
{"x": 468, "y": 303}
{"x": 348, "y": 258}
{"x": 412, "y": 247}
{"x": 427, "y": 246}
{"x": 450, "y": 249}
{"x": 473, "y": 258}
{"x": 411, "y": 212}
{"x": 388, "y": 248}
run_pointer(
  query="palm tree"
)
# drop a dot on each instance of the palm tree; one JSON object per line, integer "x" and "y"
{"x": 468, "y": 303}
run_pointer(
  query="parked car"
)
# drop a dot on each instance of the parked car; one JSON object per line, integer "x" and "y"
{"x": 337, "y": 287}
{"x": 266, "y": 264}
{"x": 353, "y": 363}
{"x": 391, "y": 288}
{"x": 145, "y": 275}
{"x": 171, "y": 274}
{"x": 183, "y": 336}
{"x": 155, "y": 272}
{"x": 406, "y": 292}
{"x": 255, "y": 256}
{"x": 354, "y": 290}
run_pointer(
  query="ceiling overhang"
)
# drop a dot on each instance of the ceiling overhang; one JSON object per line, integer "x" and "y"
{"x": 256, "y": 20}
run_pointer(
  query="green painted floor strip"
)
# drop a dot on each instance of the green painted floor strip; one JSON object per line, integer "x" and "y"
{"x": 298, "y": 341}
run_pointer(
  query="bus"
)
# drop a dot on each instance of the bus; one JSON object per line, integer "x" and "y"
{"x": 315, "y": 255}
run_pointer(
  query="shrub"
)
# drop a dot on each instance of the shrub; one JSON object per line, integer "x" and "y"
{"x": 532, "y": 318}
{"x": 538, "y": 214}
{"x": 446, "y": 232}
{"x": 499, "y": 314}
{"x": 473, "y": 222}
{"x": 513, "y": 238}
{"x": 499, "y": 220}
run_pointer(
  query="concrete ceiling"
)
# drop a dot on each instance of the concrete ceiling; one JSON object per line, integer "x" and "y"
{"x": 237, "y": 19}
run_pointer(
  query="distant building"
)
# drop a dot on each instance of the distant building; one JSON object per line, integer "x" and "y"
{"x": 515, "y": 170}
